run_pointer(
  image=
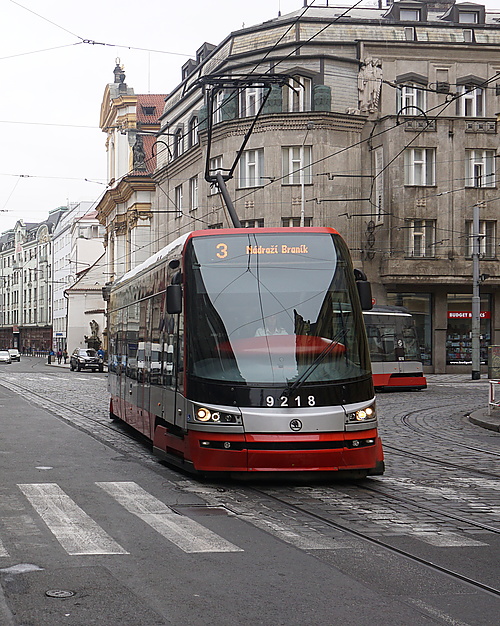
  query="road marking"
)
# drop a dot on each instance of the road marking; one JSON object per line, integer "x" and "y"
{"x": 182, "y": 531}
{"x": 77, "y": 533}
{"x": 3, "y": 551}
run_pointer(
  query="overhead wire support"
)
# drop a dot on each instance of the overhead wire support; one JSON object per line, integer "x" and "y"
{"x": 213, "y": 85}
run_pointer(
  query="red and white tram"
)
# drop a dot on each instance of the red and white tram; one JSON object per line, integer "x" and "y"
{"x": 244, "y": 350}
{"x": 394, "y": 349}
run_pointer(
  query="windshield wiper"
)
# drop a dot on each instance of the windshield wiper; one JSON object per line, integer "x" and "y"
{"x": 305, "y": 375}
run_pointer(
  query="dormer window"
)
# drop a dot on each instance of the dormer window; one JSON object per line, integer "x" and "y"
{"x": 468, "y": 17}
{"x": 465, "y": 13}
{"x": 409, "y": 15}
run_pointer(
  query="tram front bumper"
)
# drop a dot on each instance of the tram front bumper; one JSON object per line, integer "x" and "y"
{"x": 226, "y": 452}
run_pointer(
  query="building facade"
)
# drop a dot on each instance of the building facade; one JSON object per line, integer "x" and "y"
{"x": 384, "y": 126}
{"x": 77, "y": 243}
{"x": 26, "y": 285}
{"x": 130, "y": 122}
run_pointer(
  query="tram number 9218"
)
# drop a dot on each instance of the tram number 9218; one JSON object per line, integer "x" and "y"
{"x": 293, "y": 401}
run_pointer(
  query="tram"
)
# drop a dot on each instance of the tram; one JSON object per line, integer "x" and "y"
{"x": 244, "y": 350}
{"x": 394, "y": 349}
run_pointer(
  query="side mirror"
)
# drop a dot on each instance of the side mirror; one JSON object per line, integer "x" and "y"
{"x": 174, "y": 299}
{"x": 364, "y": 290}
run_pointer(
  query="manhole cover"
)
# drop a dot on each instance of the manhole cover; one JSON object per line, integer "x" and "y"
{"x": 59, "y": 593}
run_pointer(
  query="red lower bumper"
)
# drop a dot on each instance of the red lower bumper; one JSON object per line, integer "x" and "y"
{"x": 266, "y": 453}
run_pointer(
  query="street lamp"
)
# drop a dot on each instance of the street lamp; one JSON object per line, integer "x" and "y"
{"x": 476, "y": 298}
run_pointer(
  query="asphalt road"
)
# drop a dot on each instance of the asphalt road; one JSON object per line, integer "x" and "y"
{"x": 94, "y": 530}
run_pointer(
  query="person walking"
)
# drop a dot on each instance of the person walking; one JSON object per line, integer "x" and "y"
{"x": 65, "y": 356}
{"x": 59, "y": 356}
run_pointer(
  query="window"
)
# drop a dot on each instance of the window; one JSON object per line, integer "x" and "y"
{"x": 193, "y": 132}
{"x": 419, "y": 166}
{"x": 178, "y": 144}
{"x": 215, "y": 166}
{"x": 250, "y": 101}
{"x": 480, "y": 168}
{"x": 471, "y": 101}
{"x": 258, "y": 223}
{"x": 410, "y": 33}
{"x": 295, "y": 221}
{"x": 178, "y": 200}
{"x": 487, "y": 238}
{"x": 409, "y": 15}
{"x": 217, "y": 107}
{"x": 297, "y": 94}
{"x": 421, "y": 238}
{"x": 468, "y": 17}
{"x": 252, "y": 168}
{"x": 468, "y": 35}
{"x": 193, "y": 193}
{"x": 297, "y": 165}
{"x": 409, "y": 96}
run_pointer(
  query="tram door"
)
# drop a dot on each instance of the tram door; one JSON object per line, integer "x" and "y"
{"x": 138, "y": 379}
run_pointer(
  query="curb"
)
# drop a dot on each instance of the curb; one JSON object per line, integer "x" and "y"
{"x": 482, "y": 418}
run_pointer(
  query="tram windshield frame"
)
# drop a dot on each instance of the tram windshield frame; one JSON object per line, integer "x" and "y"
{"x": 273, "y": 309}
{"x": 392, "y": 337}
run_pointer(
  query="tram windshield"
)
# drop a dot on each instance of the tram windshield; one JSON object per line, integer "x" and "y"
{"x": 391, "y": 336}
{"x": 273, "y": 309}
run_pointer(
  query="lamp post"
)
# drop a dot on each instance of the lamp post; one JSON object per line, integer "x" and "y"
{"x": 476, "y": 298}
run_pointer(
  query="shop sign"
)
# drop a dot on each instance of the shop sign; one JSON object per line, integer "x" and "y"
{"x": 452, "y": 315}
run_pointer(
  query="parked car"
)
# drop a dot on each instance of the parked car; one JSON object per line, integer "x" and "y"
{"x": 14, "y": 354}
{"x": 5, "y": 356}
{"x": 85, "y": 359}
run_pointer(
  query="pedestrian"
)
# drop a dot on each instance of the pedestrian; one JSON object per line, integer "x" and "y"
{"x": 59, "y": 356}
{"x": 65, "y": 356}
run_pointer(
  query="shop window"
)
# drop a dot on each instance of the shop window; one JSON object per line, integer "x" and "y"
{"x": 459, "y": 331}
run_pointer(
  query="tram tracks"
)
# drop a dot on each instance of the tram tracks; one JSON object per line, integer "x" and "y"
{"x": 432, "y": 565}
{"x": 68, "y": 413}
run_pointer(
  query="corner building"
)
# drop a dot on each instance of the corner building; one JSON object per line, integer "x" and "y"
{"x": 384, "y": 127}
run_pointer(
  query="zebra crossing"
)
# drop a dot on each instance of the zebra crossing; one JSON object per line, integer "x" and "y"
{"x": 78, "y": 534}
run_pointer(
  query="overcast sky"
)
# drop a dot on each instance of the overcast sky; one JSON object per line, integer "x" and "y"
{"x": 52, "y": 83}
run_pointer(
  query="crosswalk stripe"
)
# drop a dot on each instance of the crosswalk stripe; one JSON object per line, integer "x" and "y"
{"x": 77, "y": 533}
{"x": 182, "y": 531}
{"x": 3, "y": 551}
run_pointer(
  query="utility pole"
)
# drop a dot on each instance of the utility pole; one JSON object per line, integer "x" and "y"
{"x": 476, "y": 299}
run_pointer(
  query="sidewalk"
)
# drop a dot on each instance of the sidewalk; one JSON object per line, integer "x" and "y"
{"x": 481, "y": 417}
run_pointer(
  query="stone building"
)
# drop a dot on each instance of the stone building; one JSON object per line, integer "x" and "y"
{"x": 77, "y": 244}
{"x": 130, "y": 122}
{"x": 383, "y": 126}
{"x": 26, "y": 285}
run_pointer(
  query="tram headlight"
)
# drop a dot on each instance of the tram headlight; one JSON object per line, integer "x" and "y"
{"x": 208, "y": 416}
{"x": 363, "y": 415}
